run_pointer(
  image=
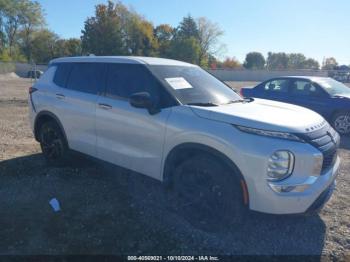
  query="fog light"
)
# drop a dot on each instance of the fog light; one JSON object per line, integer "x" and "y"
{"x": 280, "y": 165}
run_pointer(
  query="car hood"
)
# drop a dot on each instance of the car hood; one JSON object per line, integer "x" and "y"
{"x": 264, "y": 114}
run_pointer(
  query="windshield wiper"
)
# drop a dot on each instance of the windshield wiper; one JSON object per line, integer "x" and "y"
{"x": 245, "y": 100}
{"x": 203, "y": 104}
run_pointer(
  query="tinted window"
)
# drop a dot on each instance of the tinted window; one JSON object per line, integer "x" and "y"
{"x": 193, "y": 85}
{"x": 123, "y": 80}
{"x": 304, "y": 88}
{"x": 278, "y": 85}
{"x": 86, "y": 77}
{"x": 332, "y": 86}
{"x": 62, "y": 73}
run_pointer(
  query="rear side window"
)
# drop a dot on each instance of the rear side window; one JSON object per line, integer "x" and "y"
{"x": 62, "y": 73}
{"x": 86, "y": 77}
{"x": 123, "y": 80}
{"x": 278, "y": 85}
{"x": 304, "y": 88}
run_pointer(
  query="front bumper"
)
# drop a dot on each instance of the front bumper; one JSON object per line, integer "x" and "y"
{"x": 318, "y": 191}
{"x": 322, "y": 199}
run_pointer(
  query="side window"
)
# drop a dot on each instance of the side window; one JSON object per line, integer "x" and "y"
{"x": 123, "y": 80}
{"x": 86, "y": 77}
{"x": 62, "y": 73}
{"x": 278, "y": 85}
{"x": 304, "y": 88}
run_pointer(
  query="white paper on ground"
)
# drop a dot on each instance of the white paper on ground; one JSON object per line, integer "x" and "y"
{"x": 55, "y": 204}
{"x": 178, "y": 83}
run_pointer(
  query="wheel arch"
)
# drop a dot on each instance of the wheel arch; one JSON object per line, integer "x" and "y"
{"x": 43, "y": 117}
{"x": 182, "y": 151}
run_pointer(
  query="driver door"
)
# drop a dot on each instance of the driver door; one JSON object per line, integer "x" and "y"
{"x": 127, "y": 136}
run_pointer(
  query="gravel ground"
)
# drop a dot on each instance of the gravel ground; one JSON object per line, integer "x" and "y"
{"x": 102, "y": 214}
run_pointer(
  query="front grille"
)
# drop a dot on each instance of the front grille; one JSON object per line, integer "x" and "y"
{"x": 327, "y": 140}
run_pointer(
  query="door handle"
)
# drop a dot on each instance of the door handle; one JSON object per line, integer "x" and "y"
{"x": 105, "y": 106}
{"x": 60, "y": 96}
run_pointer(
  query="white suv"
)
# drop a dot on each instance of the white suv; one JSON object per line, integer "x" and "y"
{"x": 174, "y": 122}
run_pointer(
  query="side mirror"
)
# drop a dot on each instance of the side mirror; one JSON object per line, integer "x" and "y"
{"x": 143, "y": 100}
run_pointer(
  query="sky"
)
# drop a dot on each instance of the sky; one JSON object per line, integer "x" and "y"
{"x": 316, "y": 28}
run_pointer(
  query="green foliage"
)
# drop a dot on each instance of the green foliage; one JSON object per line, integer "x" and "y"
{"x": 164, "y": 34}
{"x": 103, "y": 34}
{"x": 18, "y": 20}
{"x": 116, "y": 30}
{"x": 65, "y": 48}
{"x": 44, "y": 43}
{"x": 311, "y": 63}
{"x": 4, "y": 56}
{"x": 329, "y": 63}
{"x": 277, "y": 61}
{"x": 188, "y": 28}
{"x": 185, "y": 49}
{"x": 254, "y": 60}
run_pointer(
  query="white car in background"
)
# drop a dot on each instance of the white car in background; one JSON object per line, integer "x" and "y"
{"x": 218, "y": 153}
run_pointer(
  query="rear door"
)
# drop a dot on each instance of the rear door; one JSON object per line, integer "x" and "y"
{"x": 275, "y": 89}
{"x": 305, "y": 93}
{"x": 127, "y": 136}
{"x": 76, "y": 106}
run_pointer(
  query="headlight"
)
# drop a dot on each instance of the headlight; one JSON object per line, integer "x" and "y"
{"x": 261, "y": 132}
{"x": 280, "y": 166}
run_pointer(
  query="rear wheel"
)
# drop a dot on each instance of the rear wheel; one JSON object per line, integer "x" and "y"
{"x": 207, "y": 193}
{"x": 53, "y": 144}
{"x": 341, "y": 123}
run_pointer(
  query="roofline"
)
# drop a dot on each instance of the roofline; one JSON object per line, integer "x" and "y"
{"x": 121, "y": 59}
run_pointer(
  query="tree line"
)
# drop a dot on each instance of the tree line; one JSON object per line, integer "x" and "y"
{"x": 116, "y": 29}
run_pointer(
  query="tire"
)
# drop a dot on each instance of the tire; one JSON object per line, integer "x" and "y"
{"x": 341, "y": 122}
{"x": 207, "y": 193}
{"x": 53, "y": 144}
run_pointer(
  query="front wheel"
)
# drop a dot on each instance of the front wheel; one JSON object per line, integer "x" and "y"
{"x": 207, "y": 193}
{"x": 53, "y": 144}
{"x": 341, "y": 123}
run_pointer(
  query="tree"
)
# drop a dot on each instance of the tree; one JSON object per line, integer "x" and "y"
{"x": 329, "y": 63}
{"x": 32, "y": 18}
{"x": 254, "y": 60}
{"x": 43, "y": 46}
{"x": 164, "y": 34}
{"x": 187, "y": 49}
{"x": 70, "y": 47}
{"x": 208, "y": 35}
{"x": 188, "y": 28}
{"x": 311, "y": 64}
{"x": 229, "y": 63}
{"x": 116, "y": 30}
{"x": 277, "y": 61}
{"x": 73, "y": 47}
{"x": 296, "y": 61}
{"x": 140, "y": 36}
{"x": 102, "y": 34}
{"x": 12, "y": 19}
{"x": 2, "y": 29}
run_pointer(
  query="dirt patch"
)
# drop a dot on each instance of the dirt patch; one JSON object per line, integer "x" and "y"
{"x": 108, "y": 210}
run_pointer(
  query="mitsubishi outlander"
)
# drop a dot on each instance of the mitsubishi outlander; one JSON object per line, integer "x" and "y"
{"x": 172, "y": 121}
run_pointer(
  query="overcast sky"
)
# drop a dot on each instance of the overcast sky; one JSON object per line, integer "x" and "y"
{"x": 316, "y": 28}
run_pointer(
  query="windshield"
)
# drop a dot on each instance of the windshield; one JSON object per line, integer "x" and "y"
{"x": 193, "y": 85}
{"x": 332, "y": 86}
